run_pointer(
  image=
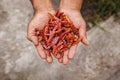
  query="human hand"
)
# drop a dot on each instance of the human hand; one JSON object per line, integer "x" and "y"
{"x": 79, "y": 23}
{"x": 37, "y": 23}
{"x": 41, "y": 18}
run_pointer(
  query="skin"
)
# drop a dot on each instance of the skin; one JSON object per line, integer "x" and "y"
{"x": 40, "y": 18}
{"x": 79, "y": 23}
{"x": 72, "y": 9}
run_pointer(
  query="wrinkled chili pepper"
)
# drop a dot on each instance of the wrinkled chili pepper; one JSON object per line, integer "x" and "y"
{"x": 59, "y": 34}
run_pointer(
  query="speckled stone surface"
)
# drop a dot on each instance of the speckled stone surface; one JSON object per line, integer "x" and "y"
{"x": 20, "y": 61}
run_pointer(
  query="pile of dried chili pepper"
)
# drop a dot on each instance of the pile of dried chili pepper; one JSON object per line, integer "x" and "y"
{"x": 59, "y": 34}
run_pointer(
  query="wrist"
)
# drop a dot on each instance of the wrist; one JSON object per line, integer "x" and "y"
{"x": 65, "y": 10}
{"x": 52, "y": 11}
{"x": 64, "y": 7}
{"x": 69, "y": 10}
{"x": 74, "y": 5}
{"x": 38, "y": 10}
{"x": 42, "y": 5}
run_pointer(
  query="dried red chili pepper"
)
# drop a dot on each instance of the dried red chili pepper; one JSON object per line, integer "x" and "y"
{"x": 59, "y": 34}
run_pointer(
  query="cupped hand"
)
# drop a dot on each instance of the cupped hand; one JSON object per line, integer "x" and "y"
{"x": 79, "y": 23}
{"x": 37, "y": 23}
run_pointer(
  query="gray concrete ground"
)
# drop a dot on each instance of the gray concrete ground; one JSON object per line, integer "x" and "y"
{"x": 20, "y": 61}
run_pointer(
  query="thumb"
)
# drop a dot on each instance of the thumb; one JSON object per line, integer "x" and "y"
{"x": 82, "y": 32}
{"x": 32, "y": 37}
{"x": 85, "y": 41}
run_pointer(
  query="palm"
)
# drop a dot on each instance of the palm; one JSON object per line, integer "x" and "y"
{"x": 37, "y": 23}
{"x": 79, "y": 23}
{"x": 76, "y": 17}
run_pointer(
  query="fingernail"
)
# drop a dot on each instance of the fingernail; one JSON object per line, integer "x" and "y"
{"x": 70, "y": 56}
{"x": 60, "y": 60}
{"x": 35, "y": 43}
{"x": 86, "y": 41}
{"x": 49, "y": 61}
{"x": 65, "y": 63}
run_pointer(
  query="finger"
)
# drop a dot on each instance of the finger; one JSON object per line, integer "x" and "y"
{"x": 65, "y": 57}
{"x": 85, "y": 41}
{"x": 60, "y": 60}
{"x": 34, "y": 39}
{"x": 32, "y": 36}
{"x": 41, "y": 51}
{"x": 72, "y": 51}
{"x": 58, "y": 55}
{"x": 82, "y": 32}
{"x": 49, "y": 57}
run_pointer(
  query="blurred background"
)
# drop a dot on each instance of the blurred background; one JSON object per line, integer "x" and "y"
{"x": 99, "y": 61}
